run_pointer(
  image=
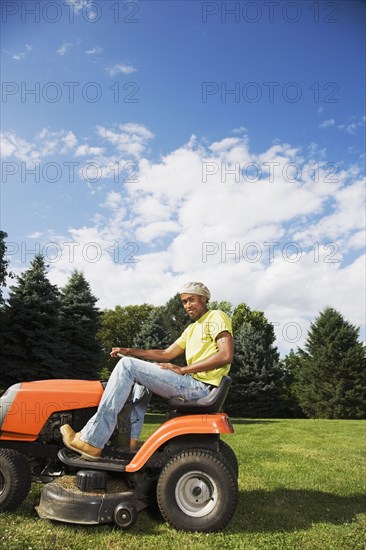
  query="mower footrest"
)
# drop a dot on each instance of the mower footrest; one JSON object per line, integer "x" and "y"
{"x": 104, "y": 463}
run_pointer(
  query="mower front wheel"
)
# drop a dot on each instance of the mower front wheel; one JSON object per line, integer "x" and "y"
{"x": 197, "y": 491}
{"x": 15, "y": 479}
{"x": 125, "y": 515}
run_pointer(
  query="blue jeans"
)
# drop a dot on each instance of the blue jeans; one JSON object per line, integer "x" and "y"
{"x": 126, "y": 373}
{"x": 140, "y": 401}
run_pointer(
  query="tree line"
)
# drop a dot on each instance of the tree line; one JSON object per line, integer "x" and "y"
{"x": 47, "y": 332}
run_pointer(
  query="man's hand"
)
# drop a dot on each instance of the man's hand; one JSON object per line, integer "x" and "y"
{"x": 173, "y": 368}
{"x": 116, "y": 351}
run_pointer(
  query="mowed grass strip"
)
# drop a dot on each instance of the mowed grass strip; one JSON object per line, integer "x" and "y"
{"x": 301, "y": 483}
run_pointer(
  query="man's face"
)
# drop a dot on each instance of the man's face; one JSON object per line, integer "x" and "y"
{"x": 194, "y": 305}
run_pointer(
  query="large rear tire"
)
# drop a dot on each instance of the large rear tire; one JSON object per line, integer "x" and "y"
{"x": 226, "y": 451}
{"x": 15, "y": 479}
{"x": 197, "y": 491}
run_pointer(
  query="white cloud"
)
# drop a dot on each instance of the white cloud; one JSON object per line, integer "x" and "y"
{"x": 44, "y": 143}
{"x": 79, "y": 5}
{"x": 327, "y": 123}
{"x": 262, "y": 242}
{"x": 8, "y": 144}
{"x": 69, "y": 140}
{"x": 66, "y": 46}
{"x": 18, "y": 56}
{"x": 137, "y": 129}
{"x": 114, "y": 201}
{"x": 156, "y": 230}
{"x": 121, "y": 68}
{"x": 14, "y": 146}
{"x": 94, "y": 51}
{"x": 83, "y": 150}
{"x": 357, "y": 240}
{"x": 347, "y": 216}
{"x": 130, "y": 139}
{"x": 240, "y": 130}
{"x": 150, "y": 209}
{"x": 349, "y": 127}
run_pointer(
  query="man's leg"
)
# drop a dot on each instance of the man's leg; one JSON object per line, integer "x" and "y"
{"x": 127, "y": 372}
{"x": 140, "y": 401}
{"x": 99, "y": 428}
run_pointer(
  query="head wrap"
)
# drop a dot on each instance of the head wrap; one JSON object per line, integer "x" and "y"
{"x": 195, "y": 288}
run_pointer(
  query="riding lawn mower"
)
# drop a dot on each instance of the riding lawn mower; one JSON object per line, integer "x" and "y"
{"x": 183, "y": 467}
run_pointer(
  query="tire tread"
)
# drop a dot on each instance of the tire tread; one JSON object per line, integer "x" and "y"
{"x": 17, "y": 475}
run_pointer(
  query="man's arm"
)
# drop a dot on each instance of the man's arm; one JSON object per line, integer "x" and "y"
{"x": 161, "y": 355}
{"x": 223, "y": 357}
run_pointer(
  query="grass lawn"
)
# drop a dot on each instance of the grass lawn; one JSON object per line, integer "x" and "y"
{"x": 301, "y": 486}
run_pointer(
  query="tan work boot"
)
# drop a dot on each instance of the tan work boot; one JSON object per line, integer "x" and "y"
{"x": 74, "y": 443}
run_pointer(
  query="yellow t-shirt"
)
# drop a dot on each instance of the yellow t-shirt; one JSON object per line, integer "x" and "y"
{"x": 199, "y": 342}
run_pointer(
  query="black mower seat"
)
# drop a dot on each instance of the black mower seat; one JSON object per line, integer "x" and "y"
{"x": 212, "y": 403}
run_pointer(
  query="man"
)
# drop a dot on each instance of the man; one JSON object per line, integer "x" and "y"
{"x": 208, "y": 347}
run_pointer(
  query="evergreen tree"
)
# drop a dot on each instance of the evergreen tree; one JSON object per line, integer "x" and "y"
{"x": 174, "y": 318}
{"x": 291, "y": 365}
{"x": 81, "y": 350}
{"x": 332, "y": 379}
{"x": 256, "y": 373}
{"x": 153, "y": 334}
{"x": 163, "y": 326}
{"x": 32, "y": 346}
{"x": 3, "y": 274}
{"x": 3, "y": 264}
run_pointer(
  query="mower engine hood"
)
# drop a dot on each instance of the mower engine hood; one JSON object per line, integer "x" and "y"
{"x": 26, "y": 406}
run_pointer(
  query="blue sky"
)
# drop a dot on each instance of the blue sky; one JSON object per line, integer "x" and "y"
{"x": 167, "y": 141}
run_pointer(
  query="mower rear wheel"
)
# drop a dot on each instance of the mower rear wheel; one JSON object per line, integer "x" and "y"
{"x": 197, "y": 491}
{"x": 15, "y": 479}
{"x": 226, "y": 451}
